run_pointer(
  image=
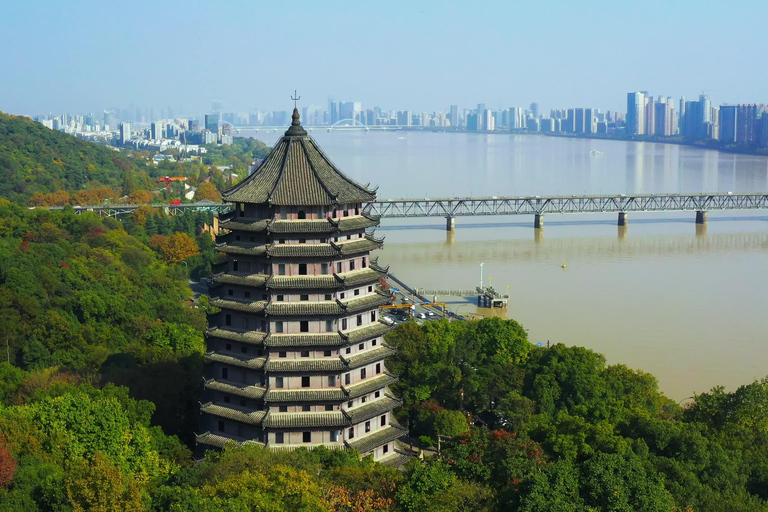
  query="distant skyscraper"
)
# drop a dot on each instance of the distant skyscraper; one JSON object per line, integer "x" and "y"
{"x": 578, "y": 120}
{"x": 489, "y": 123}
{"x": 590, "y": 122}
{"x": 635, "y": 113}
{"x": 762, "y": 131}
{"x": 125, "y": 133}
{"x": 454, "y": 115}
{"x": 570, "y": 121}
{"x": 728, "y": 122}
{"x": 516, "y": 118}
{"x": 157, "y": 130}
{"x": 535, "y": 110}
{"x": 404, "y": 118}
{"x": 212, "y": 123}
{"x": 746, "y": 123}
{"x": 663, "y": 116}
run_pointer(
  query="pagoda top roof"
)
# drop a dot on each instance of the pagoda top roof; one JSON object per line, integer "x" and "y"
{"x": 297, "y": 173}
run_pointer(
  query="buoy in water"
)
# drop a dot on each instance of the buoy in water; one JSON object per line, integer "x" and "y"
{"x": 564, "y": 266}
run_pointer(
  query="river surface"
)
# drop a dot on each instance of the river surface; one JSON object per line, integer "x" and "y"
{"x": 687, "y": 303}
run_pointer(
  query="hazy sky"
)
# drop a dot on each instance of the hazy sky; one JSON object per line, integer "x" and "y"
{"x": 81, "y": 56}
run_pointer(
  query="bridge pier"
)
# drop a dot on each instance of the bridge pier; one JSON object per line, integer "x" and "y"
{"x": 701, "y": 217}
{"x": 622, "y": 218}
{"x": 450, "y": 223}
{"x": 538, "y": 221}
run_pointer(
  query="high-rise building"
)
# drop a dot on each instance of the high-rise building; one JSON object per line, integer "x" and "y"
{"x": 570, "y": 121}
{"x": 125, "y": 133}
{"x": 578, "y": 120}
{"x": 663, "y": 114}
{"x": 296, "y": 354}
{"x": 635, "y": 113}
{"x": 516, "y": 118}
{"x": 762, "y": 131}
{"x": 535, "y": 110}
{"x": 489, "y": 123}
{"x": 650, "y": 116}
{"x": 404, "y": 118}
{"x": 212, "y": 123}
{"x": 729, "y": 115}
{"x": 157, "y": 129}
{"x": 746, "y": 124}
{"x": 472, "y": 121}
{"x": 590, "y": 121}
{"x": 454, "y": 115}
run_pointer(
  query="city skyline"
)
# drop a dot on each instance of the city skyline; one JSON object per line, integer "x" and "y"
{"x": 420, "y": 57}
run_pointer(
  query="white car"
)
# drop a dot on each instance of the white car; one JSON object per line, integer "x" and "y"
{"x": 421, "y": 315}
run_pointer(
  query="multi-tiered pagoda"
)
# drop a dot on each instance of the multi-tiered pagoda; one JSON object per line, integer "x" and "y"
{"x": 296, "y": 354}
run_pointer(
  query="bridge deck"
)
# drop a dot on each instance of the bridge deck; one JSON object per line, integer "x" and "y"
{"x": 530, "y": 205}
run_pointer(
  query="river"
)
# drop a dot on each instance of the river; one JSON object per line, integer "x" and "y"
{"x": 686, "y": 303}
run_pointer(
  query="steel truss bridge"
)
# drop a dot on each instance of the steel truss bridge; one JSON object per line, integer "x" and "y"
{"x": 533, "y": 205}
{"x": 537, "y": 205}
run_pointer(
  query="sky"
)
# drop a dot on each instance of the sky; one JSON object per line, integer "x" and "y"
{"x": 87, "y": 56}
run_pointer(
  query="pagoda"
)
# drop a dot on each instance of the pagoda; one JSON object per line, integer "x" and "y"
{"x": 296, "y": 354}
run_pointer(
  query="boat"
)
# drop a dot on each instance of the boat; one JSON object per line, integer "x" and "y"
{"x": 595, "y": 152}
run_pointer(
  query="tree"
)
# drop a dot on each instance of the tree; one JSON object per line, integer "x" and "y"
{"x": 7, "y": 465}
{"x": 449, "y": 424}
{"x": 140, "y": 197}
{"x": 207, "y": 191}
{"x": 175, "y": 248}
{"x": 100, "y": 486}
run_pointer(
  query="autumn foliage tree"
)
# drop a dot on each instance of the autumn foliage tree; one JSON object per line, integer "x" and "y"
{"x": 207, "y": 191}
{"x": 175, "y": 248}
{"x": 7, "y": 465}
{"x": 140, "y": 197}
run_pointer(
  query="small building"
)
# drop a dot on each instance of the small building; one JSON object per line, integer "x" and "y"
{"x": 296, "y": 355}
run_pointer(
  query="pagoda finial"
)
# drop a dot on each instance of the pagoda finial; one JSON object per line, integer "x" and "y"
{"x": 295, "y": 128}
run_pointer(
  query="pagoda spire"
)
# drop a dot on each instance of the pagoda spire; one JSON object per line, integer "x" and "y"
{"x": 296, "y": 129}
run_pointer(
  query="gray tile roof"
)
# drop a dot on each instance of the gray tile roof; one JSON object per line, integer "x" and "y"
{"x": 317, "y": 250}
{"x": 373, "y": 409}
{"x": 370, "y": 385}
{"x": 239, "y": 305}
{"x": 219, "y": 441}
{"x": 306, "y": 395}
{"x": 306, "y": 420}
{"x": 250, "y": 337}
{"x": 224, "y": 410}
{"x": 369, "y": 356}
{"x": 299, "y": 226}
{"x": 297, "y": 173}
{"x": 331, "y": 339}
{"x": 255, "y": 363}
{"x": 299, "y": 282}
{"x": 366, "y": 332}
{"x": 381, "y": 436}
{"x": 327, "y": 364}
{"x": 254, "y": 392}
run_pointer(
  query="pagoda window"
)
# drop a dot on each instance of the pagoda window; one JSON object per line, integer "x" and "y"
{"x": 350, "y": 404}
{"x": 302, "y": 240}
{"x": 378, "y": 368}
{"x": 341, "y": 295}
{"x": 334, "y": 436}
{"x": 241, "y": 207}
{"x": 244, "y": 349}
{"x": 224, "y": 373}
{"x": 240, "y": 432}
{"x": 279, "y": 298}
{"x": 367, "y": 426}
{"x": 302, "y": 269}
{"x": 281, "y": 269}
{"x": 385, "y": 449}
{"x": 253, "y": 239}
{"x": 228, "y": 319}
{"x": 263, "y": 325}
{"x": 234, "y": 265}
{"x": 351, "y": 432}
{"x": 278, "y": 382}
{"x": 243, "y": 402}
{"x": 305, "y": 381}
{"x": 364, "y": 263}
{"x": 349, "y": 237}
{"x": 373, "y": 343}
{"x": 226, "y": 399}
{"x": 328, "y": 407}
{"x": 278, "y": 326}
{"x": 304, "y": 326}
{"x": 279, "y": 438}
{"x": 264, "y": 296}
{"x": 357, "y": 210}
{"x": 282, "y": 408}
{"x": 359, "y": 320}
{"x": 370, "y": 289}
{"x": 361, "y": 347}
{"x": 230, "y": 292}
{"x": 221, "y": 426}
{"x": 237, "y": 238}
{"x": 327, "y": 353}
{"x": 347, "y": 378}
{"x": 357, "y": 292}
{"x": 335, "y": 213}
{"x": 304, "y": 297}
{"x": 329, "y": 326}
{"x": 349, "y": 350}
{"x": 282, "y": 240}
{"x": 351, "y": 264}
{"x": 305, "y": 353}
{"x": 364, "y": 399}
{"x": 343, "y": 324}
{"x": 259, "y": 352}
{"x": 331, "y": 383}
{"x": 247, "y": 295}
{"x": 324, "y": 268}
{"x": 328, "y": 296}
{"x": 338, "y": 267}
{"x": 229, "y": 346}
{"x": 306, "y": 408}
{"x": 373, "y": 316}
{"x": 384, "y": 420}
{"x": 302, "y": 215}
{"x": 362, "y": 373}
{"x": 377, "y": 394}
{"x": 346, "y": 213}
{"x": 282, "y": 353}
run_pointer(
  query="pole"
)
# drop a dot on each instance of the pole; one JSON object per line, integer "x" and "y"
{"x": 481, "y": 274}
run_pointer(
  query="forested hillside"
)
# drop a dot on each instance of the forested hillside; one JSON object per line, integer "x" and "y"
{"x": 43, "y": 167}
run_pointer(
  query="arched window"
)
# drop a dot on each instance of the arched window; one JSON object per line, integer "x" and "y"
{"x": 302, "y": 214}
